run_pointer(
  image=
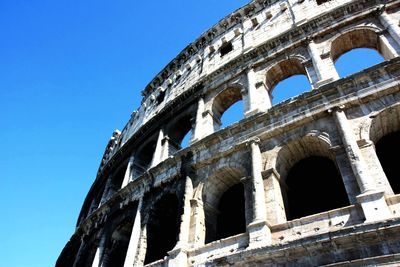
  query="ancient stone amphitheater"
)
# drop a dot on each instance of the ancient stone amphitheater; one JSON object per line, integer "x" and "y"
{"x": 310, "y": 181}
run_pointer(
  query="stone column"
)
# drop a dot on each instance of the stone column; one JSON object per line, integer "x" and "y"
{"x": 372, "y": 201}
{"x": 324, "y": 68}
{"x": 107, "y": 190}
{"x": 158, "y": 153}
{"x": 274, "y": 203}
{"x": 258, "y": 98}
{"x": 134, "y": 239}
{"x": 203, "y": 124}
{"x": 128, "y": 172}
{"x": 197, "y": 222}
{"x": 178, "y": 255}
{"x": 99, "y": 252}
{"x": 391, "y": 26}
{"x": 82, "y": 253}
{"x": 368, "y": 151}
{"x": 259, "y": 232}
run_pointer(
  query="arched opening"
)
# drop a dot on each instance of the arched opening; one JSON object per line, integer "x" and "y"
{"x": 230, "y": 102}
{"x": 224, "y": 204}
{"x": 117, "y": 245}
{"x": 162, "y": 228}
{"x": 287, "y": 79}
{"x": 357, "y": 60}
{"x": 388, "y": 159}
{"x": 384, "y": 133}
{"x": 143, "y": 158}
{"x": 290, "y": 87}
{"x": 313, "y": 181}
{"x": 116, "y": 180}
{"x": 233, "y": 114}
{"x": 179, "y": 134}
{"x": 314, "y": 186}
{"x": 231, "y": 218}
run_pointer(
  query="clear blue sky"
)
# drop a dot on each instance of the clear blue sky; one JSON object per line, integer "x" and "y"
{"x": 70, "y": 73}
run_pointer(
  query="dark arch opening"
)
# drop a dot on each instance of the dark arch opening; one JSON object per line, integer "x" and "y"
{"x": 118, "y": 245}
{"x": 116, "y": 181}
{"x": 231, "y": 218}
{"x": 179, "y": 134}
{"x": 162, "y": 228}
{"x": 389, "y": 160}
{"x": 314, "y": 186}
{"x": 143, "y": 158}
{"x": 356, "y": 60}
{"x": 290, "y": 87}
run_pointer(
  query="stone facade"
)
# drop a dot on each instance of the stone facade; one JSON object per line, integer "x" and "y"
{"x": 232, "y": 197}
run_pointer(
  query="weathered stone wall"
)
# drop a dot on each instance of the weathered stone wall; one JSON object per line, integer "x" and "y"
{"x": 340, "y": 121}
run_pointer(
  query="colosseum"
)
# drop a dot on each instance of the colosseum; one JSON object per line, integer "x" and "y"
{"x": 311, "y": 181}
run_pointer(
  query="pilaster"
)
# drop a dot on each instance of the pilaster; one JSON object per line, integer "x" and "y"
{"x": 259, "y": 231}
{"x": 372, "y": 200}
{"x": 134, "y": 239}
{"x": 324, "y": 67}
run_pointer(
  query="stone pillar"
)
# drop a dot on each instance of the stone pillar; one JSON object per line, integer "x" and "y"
{"x": 274, "y": 203}
{"x": 99, "y": 252}
{"x": 178, "y": 255}
{"x": 388, "y": 45}
{"x": 204, "y": 122}
{"x": 368, "y": 151}
{"x": 134, "y": 239}
{"x": 259, "y": 232}
{"x": 324, "y": 68}
{"x": 372, "y": 201}
{"x": 391, "y": 26}
{"x": 258, "y": 98}
{"x": 107, "y": 190}
{"x": 197, "y": 223}
{"x": 82, "y": 253}
{"x": 128, "y": 172}
{"x": 158, "y": 153}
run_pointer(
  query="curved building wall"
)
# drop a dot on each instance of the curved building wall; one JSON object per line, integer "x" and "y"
{"x": 304, "y": 175}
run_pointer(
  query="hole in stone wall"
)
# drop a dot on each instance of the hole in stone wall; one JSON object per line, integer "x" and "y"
{"x": 143, "y": 158}
{"x": 320, "y": 2}
{"x": 179, "y": 134}
{"x": 357, "y": 60}
{"x": 314, "y": 186}
{"x": 290, "y": 87}
{"x": 389, "y": 160}
{"x": 186, "y": 139}
{"x": 162, "y": 228}
{"x": 233, "y": 114}
{"x": 229, "y": 102}
{"x": 160, "y": 97}
{"x": 117, "y": 246}
{"x": 226, "y": 48}
{"x": 231, "y": 219}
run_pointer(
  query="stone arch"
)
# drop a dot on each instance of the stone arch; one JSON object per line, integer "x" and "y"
{"x": 285, "y": 69}
{"x": 359, "y": 37}
{"x": 162, "y": 227}
{"x": 143, "y": 157}
{"x": 384, "y": 132}
{"x": 117, "y": 243}
{"x": 223, "y": 101}
{"x": 313, "y": 183}
{"x": 177, "y": 129}
{"x": 225, "y": 183}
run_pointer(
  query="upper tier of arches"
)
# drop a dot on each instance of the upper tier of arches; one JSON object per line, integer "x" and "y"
{"x": 198, "y": 112}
